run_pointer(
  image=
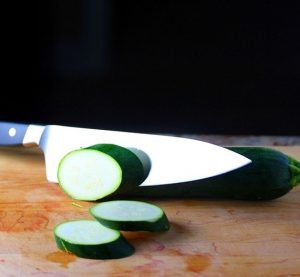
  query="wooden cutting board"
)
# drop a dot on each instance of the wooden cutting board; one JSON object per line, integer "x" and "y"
{"x": 207, "y": 237}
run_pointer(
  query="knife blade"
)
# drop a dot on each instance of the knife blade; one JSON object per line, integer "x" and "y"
{"x": 173, "y": 159}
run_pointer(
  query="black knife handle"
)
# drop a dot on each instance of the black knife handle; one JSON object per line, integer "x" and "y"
{"x": 12, "y": 133}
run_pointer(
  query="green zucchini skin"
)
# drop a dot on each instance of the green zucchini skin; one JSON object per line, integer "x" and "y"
{"x": 114, "y": 250}
{"x": 271, "y": 174}
{"x": 133, "y": 173}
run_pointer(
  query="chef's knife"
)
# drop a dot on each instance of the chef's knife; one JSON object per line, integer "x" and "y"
{"x": 173, "y": 159}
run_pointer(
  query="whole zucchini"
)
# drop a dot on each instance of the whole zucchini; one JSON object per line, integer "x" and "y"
{"x": 270, "y": 175}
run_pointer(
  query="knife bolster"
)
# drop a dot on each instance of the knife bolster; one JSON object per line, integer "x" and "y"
{"x": 33, "y": 135}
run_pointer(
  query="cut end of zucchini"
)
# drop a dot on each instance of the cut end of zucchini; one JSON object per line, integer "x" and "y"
{"x": 87, "y": 174}
{"x": 89, "y": 239}
{"x": 129, "y": 215}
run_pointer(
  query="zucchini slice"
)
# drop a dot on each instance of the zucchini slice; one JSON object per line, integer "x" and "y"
{"x": 89, "y": 239}
{"x": 88, "y": 174}
{"x": 130, "y": 215}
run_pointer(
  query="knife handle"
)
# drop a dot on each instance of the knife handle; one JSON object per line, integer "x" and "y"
{"x": 12, "y": 134}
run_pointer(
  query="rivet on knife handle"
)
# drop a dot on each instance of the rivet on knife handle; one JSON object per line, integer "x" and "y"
{"x": 12, "y": 133}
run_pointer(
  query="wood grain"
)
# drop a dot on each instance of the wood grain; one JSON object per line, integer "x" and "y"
{"x": 207, "y": 237}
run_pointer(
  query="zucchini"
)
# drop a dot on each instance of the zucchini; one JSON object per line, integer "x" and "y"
{"x": 99, "y": 170}
{"x": 89, "y": 239}
{"x": 129, "y": 215}
{"x": 84, "y": 176}
{"x": 271, "y": 174}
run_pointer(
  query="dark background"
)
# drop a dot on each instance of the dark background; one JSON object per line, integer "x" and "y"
{"x": 202, "y": 67}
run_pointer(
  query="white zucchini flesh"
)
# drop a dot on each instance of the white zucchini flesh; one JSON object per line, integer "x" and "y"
{"x": 85, "y": 232}
{"x": 89, "y": 239}
{"x": 87, "y": 174}
{"x": 130, "y": 215}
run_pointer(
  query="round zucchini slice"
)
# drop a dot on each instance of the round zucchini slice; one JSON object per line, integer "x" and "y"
{"x": 130, "y": 215}
{"x": 89, "y": 239}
